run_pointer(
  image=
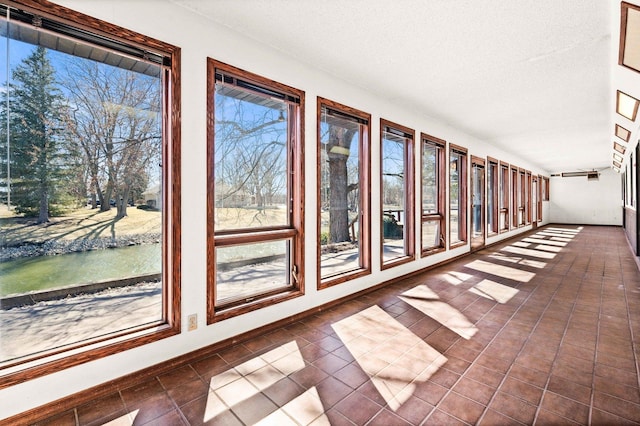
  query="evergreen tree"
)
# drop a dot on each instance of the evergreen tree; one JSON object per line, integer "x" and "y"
{"x": 38, "y": 170}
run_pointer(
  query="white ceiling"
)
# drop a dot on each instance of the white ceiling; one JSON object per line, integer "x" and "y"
{"x": 529, "y": 76}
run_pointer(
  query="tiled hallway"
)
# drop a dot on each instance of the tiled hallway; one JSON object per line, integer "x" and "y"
{"x": 542, "y": 329}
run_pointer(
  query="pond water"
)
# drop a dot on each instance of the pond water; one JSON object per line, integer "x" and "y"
{"x": 46, "y": 272}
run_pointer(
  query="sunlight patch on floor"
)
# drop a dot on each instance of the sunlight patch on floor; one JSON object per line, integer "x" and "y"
{"x": 127, "y": 419}
{"x": 305, "y": 409}
{"x": 494, "y": 291}
{"x": 517, "y": 260}
{"x": 246, "y": 380}
{"x": 442, "y": 312}
{"x": 565, "y": 230}
{"x": 544, "y": 241}
{"x": 555, "y": 234}
{"x": 521, "y": 244}
{"x": 563, "y": 239}
{"x": 528, "y": 252}
{"x": 546, "y": 247}
{"x": 422, "y": 292}
{"x": 455, "y": 277}
{"x": 393, "y": 357}
{"x": 501, "y": 271}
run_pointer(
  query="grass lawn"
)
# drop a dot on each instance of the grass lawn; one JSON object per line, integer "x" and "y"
{"x": 82, "y": 223}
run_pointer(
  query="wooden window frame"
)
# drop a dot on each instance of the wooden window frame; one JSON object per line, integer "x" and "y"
{"x": 364, "y": 150}
{"x": 528, "y": 204}
{"x": 48, "y": 362}
{"x": 463, "y": 188}
{"x": 539, "y": 203}
{"x": 294, "y": 231}
{"x": 440, "y": 216}
{"x": 513, "y": 170}
{"x": 492, "y": 203}
{"x": 504, "y": 204}
{"x": 409, "y": 194}
{"x": 522, "y": 197}
{"x": 545, "y": 190}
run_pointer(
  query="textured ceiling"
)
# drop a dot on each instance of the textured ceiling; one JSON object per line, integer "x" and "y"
{"x": 529, "y": 76}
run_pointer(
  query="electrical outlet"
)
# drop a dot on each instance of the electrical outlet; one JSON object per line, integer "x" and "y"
{"x": 193, "y": 322}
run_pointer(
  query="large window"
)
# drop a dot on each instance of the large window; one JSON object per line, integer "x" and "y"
{"x": 492, "y": 196}
{"x": 539, "y": 198}
{"x": 255, "y": 198}
{"x": 545, "y": 188}
{"x": 515, "y": 194}
{"x": 504, "y": 197}
{"x": 528, "y": 202}
{"x": 457, "y": 195}
{"x": 396, "y": 186}
{"x": 522, "y": 198}
{"x": 89, "y": 190}
{"x": 343, "y": 193}
{"x": 433, "y": 194}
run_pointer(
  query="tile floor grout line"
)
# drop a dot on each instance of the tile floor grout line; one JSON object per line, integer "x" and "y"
{"x": 564, "y": 334}
{"x": 595, "y": 354}
{"x": 521, "y": 349}
{"x": 633, "y": 340}
{"x": 522, "y": 304}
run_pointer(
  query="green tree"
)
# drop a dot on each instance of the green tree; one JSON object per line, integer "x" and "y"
{"x": 38, "y": 159}
{"x": 116, "y": 124}
{"x": 338, "y": 149}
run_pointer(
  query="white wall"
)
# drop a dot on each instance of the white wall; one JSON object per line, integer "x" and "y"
{"x": 578, "y": 200}
{"x": 199, "y": 39}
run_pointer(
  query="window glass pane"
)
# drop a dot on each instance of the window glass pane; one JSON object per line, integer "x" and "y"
{"x": 492, "y": 197}
{"x": 456, "y": 199}
{"x": 247, "y": 270}
{"x": 255, "y": 164}
{"x": 340, "y": 204}
{"x": 514, "y": 198}
{"x": 393, "y": 196}
{"x": 430, "y": 182}
{"x": 431, "y": 234}
{"x": 504, "y": 198}
{"x": 477, "y": 200}
{"x": 251, "y": 188}
{"x": 80, "y": 178}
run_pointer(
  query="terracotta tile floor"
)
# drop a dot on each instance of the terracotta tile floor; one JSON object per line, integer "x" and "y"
{"x": 539, "y": 330}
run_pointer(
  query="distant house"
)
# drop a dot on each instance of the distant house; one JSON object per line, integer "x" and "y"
{"x": 153, "y": 196}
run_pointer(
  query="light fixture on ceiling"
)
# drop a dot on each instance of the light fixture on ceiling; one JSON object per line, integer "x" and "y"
{"x": 626, "y": 105}
{"x": 621, "y": 149}
{"x": 617, "y": 157}
{"x": 622, "y": 133}
{"x": 616, "y": 164}
{"x": 281, "y": 117}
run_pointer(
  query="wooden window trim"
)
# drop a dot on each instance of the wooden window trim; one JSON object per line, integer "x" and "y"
{"x": 495, "y": 183}
{"x": 522, "y": 184}
{"x": 294, "y": 232}
{"x": 442, "y": 182}
{"x": 539, "y": 206}
{"x": 504, "y": 203}
{"x": 513, "y": 176}
{"x": 463, "y": 189}
{"x": 409, "y": 227}
{"x": 44, "y": 363}
{"x": 528, "y": 199}
{"x": 364, "y": 149}
{"x": 545, "y": 182}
